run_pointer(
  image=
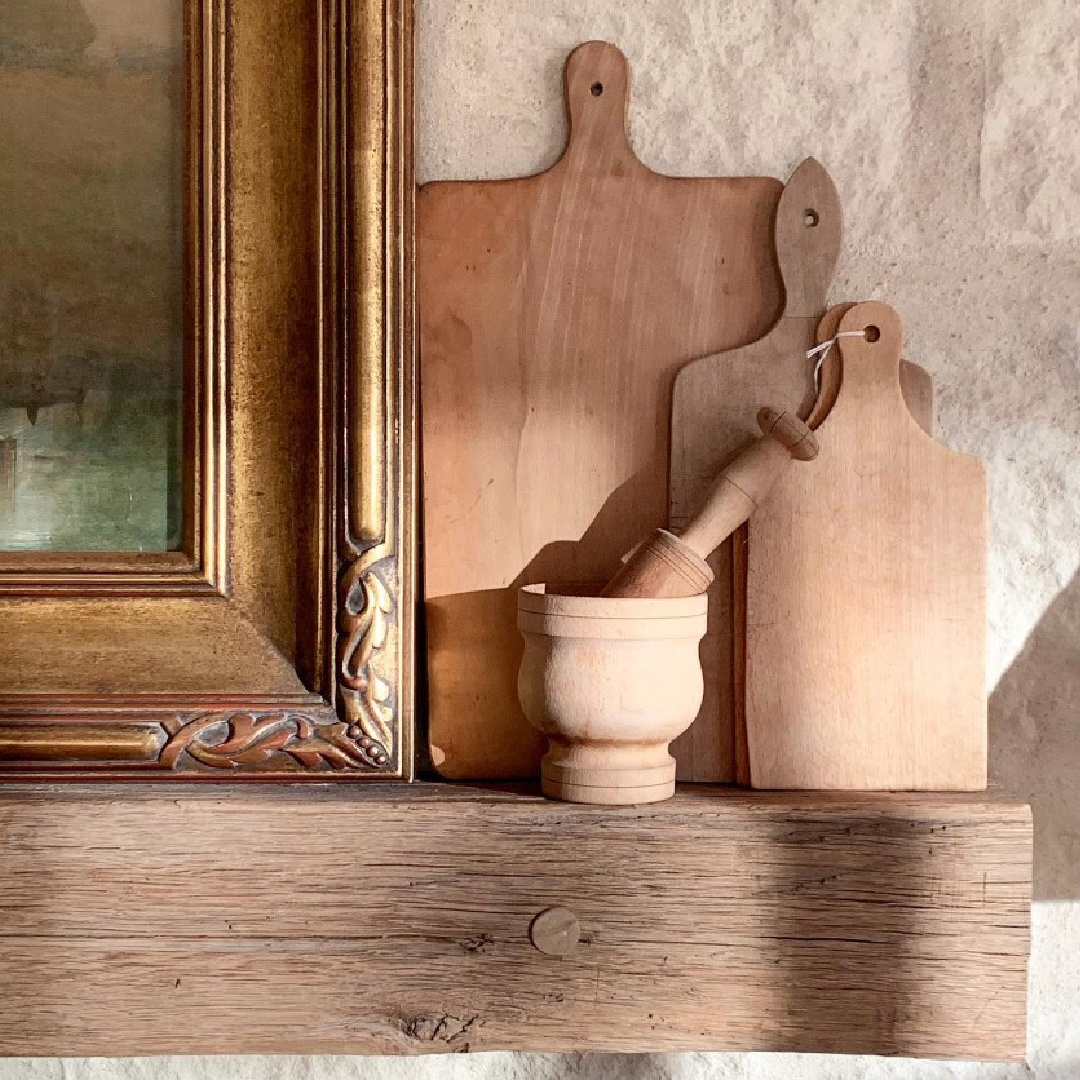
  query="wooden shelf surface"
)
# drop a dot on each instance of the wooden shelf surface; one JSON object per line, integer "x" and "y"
{"x": 395, "y": 919}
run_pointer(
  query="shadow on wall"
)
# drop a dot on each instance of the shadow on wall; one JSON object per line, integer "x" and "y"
{"x": 1035, "y": 742}
{"x": 615, "y": 1067}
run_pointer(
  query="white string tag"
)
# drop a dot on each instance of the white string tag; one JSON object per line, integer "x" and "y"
{"x": 822, "y": 350}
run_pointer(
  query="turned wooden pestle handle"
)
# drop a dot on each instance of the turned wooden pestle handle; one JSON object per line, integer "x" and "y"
{"x": 670, "y": 565}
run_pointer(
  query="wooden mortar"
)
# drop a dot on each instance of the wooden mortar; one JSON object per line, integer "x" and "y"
{"x": 612, "y": 679}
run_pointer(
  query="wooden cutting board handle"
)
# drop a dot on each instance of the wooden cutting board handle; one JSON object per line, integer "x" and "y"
{"x": 871, "y": 371}
{"x": 809, "y": 224}
{"x": 596, "y": 81}
{"x": 915, "y": 382}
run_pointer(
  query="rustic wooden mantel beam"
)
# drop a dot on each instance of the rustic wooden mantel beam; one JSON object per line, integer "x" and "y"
{"x": 397, "y": 920}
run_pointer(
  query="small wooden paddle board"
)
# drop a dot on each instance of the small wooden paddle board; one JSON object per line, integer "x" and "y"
{"x": 866, "y": 596}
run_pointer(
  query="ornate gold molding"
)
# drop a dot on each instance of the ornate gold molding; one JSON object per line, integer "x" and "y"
{"x": 282, "y": 740}
{"x": 61, "y": 741}
{"x": 370, "y": 301}
{"x": 366, "y": 691}
{"x": 285, "y": 739}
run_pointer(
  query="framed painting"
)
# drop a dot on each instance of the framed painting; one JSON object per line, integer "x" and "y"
{"x": 91, "y": 276}
{"x": 206, "y": 462}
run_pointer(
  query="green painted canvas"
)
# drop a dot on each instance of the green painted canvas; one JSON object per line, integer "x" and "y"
{"x": 91, "y": 274}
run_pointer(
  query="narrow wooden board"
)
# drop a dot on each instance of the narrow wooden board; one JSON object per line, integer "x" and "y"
{"x": 866, "y": 599}
{"x": 398, "y": 923}
{"x": 714, "y": 405}
{"x": 554, "y": 312}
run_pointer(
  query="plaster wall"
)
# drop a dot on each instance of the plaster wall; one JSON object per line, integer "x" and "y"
{"x": 952, "y": 129}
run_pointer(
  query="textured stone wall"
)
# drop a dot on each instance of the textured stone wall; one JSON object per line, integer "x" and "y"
{"x": 952, "y": 128}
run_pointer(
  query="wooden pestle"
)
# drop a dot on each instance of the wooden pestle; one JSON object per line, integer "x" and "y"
{"x": 668, "y": 565}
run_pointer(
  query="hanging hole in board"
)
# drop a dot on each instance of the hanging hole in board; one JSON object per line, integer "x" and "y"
{"x": 596, "y": 89}
{"x": 872, "y": 333}
{"x": 810, "y": 218}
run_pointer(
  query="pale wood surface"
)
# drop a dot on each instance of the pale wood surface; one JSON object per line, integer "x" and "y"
{"x": 611, "y": 681}
{"x": 661, "y": 565}
{"x": 368, "y": 921}
{"x": 714, "y": 404}
{"x": 866, "y": 601}
{"x": 916, "y": 383}
{"x": 554, "y": 312}
{"x": 917, "y": 388}
{"x": 746, "y": 481}
{"x": 555, "y": 931}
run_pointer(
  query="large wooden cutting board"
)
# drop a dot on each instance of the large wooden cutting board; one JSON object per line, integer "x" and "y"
{"x": 866, "y": 597}
{"x": 554, "y": 313}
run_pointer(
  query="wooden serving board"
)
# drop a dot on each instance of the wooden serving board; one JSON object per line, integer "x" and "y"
{"x": 554, "y": 312}
{"x": 866, "y": 597}
{"x": 917, "y": 388}
{"x": 714, "y": 406}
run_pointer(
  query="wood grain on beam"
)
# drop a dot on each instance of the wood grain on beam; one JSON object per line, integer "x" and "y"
{"x": 397, "y": 921}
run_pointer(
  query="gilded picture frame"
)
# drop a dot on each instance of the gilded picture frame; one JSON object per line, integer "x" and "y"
{"x": 278, "y": 644}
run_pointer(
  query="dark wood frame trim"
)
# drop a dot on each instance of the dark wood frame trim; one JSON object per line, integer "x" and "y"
{"x": 278, "y": 644}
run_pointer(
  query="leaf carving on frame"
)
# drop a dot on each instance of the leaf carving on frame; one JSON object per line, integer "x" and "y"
{"x": 366, "y": 609}
{"x": 231, "y": 740}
